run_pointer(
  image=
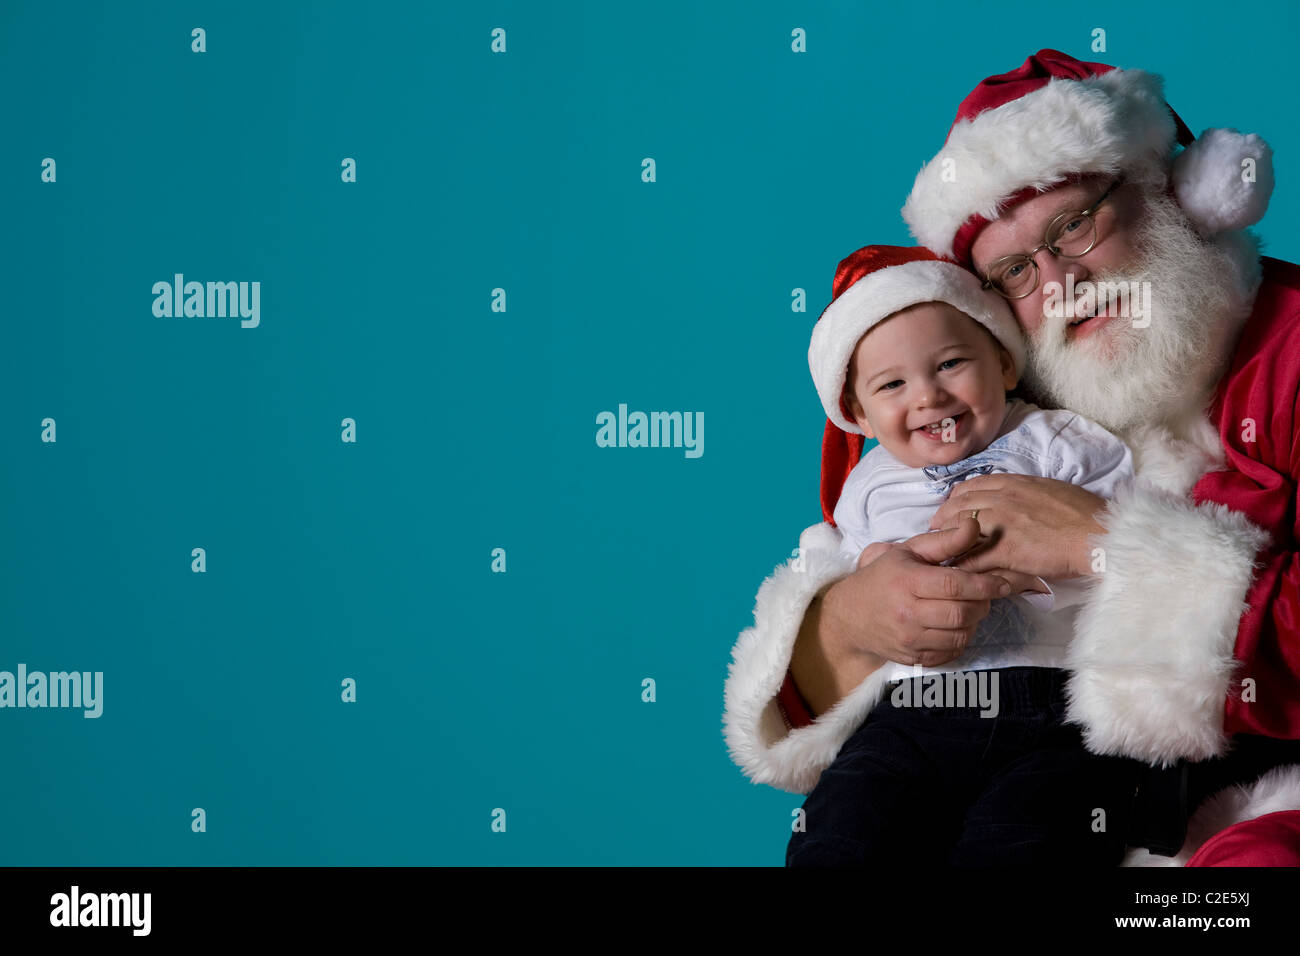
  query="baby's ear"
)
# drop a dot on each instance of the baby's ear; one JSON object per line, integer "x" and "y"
{"x": 1009, "y": 376}
{"x": 858, "y": 415}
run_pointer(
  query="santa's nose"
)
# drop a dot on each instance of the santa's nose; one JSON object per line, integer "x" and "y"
{"x": 1065, "y": 273}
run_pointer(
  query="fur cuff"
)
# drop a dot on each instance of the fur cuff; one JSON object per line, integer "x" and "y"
{"x": 757, "y": 737}
{"x": 1152, "y": 657}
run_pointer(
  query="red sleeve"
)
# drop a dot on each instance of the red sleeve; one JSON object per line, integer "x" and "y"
{"x": 1258, "y": 406}
{"x": 1270, "y": 840}
{"x": 793, "y": 707}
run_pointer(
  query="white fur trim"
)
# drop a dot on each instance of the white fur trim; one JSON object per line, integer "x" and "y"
{"x": 1175, "y": 463}
{"x": 756, "y": 735}
{"x": 1209, "y": 180}
{"x": 880, "y": 294}
{"x": 1152, "y": 656}
{"x": 1104, "y": 124}
{"x": 1274, "y": 792}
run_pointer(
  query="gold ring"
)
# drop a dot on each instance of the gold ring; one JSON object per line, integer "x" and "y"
{"x": 975, "y": 513}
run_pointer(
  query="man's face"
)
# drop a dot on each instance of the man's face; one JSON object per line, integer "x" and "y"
{"x": 1096, "y": 355}
{"x": 1022, "y": 228}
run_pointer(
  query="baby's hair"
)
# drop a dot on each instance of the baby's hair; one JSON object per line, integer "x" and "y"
{"x": 847, "y": 394}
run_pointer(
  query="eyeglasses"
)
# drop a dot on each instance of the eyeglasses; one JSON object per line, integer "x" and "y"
{"x": 1071, "y": 234}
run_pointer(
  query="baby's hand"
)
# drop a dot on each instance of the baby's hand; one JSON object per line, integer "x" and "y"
{"x": 872, "y": 551}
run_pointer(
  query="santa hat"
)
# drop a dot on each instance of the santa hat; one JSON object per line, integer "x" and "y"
{"x": 1055, "y": 118}
{"x": 871, "y": 285}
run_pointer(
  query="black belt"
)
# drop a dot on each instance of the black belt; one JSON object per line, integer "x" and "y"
{"x": 1160, "y": 810}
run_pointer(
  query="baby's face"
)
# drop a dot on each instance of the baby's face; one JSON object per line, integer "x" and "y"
{"x": 930, "y": 385}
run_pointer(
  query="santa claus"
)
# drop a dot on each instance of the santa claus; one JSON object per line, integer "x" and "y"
{"x": 1187, "y": 650}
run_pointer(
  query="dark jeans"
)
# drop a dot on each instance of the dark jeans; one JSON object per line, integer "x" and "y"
{"x": 921, "y": 785}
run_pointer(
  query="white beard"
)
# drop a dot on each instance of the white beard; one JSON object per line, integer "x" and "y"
{"x": 1121, "y": 376}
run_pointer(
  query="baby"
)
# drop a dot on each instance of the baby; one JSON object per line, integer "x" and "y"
{"x": 969, "y": 763}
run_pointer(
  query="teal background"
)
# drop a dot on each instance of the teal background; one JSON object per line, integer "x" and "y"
{"x": 475, "y": 429}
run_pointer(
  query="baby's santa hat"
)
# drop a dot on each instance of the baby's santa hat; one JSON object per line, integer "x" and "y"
{"x": 871, "y": 285}
{"x": 1056, "y": 118}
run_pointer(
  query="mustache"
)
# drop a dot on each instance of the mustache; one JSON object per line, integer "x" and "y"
{"x": 1053, "y": 321}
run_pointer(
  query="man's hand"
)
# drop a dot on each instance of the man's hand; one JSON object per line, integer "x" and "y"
{"x": 1037, "y": 526}
{"x": 873, "y": 551}
{"x": 902, "y": 607}
{"x": 1022, "y": 583}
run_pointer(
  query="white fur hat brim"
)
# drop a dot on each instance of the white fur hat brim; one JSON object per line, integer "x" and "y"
{"x": 1112, "y": 123}
{"x": 880, "y": 294}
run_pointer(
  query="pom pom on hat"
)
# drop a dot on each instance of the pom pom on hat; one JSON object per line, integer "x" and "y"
{"x": 1224, "y": 180}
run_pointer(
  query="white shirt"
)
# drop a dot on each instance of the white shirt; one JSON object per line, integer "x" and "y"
{"x": 885, "y": 500}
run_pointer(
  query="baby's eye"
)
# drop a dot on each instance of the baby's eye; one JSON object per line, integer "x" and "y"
{"x": 950, "y": 363}
{"x": 890, "y": 386}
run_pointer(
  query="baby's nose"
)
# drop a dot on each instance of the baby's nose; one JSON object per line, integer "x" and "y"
{"x": 932, "y": 394}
